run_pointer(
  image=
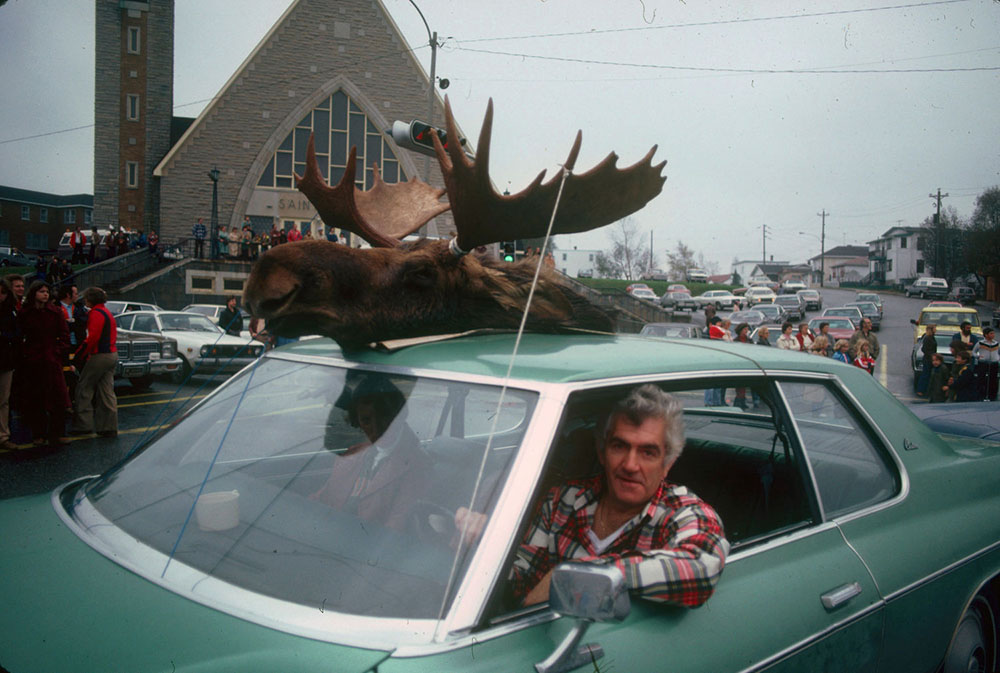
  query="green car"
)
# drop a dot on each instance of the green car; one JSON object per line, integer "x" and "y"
{"x": 860, "y": 539}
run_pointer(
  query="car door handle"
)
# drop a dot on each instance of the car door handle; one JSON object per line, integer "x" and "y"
{"x": 835, "y": 598}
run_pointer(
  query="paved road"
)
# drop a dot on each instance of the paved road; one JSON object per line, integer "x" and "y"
{"x": 37, "y": 470}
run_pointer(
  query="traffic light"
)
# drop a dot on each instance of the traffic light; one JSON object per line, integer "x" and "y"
{"x": 508, "y": 251}
{"x": 417, "y": 136}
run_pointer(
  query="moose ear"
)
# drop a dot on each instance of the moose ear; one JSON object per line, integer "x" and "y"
{"x": 420, "y": 271}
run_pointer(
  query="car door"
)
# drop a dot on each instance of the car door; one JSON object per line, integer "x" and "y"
{"x": 794, "y": 596}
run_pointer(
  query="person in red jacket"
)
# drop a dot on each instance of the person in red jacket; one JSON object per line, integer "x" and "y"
{"x": 43, "y": 397}
{"x": 96, "y": 406}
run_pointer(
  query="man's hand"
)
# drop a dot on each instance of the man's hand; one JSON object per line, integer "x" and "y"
{"x": 540, "y": 593}
{"x": 469, "y": 525}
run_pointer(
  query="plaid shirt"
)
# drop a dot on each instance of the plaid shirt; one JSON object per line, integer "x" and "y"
{"x": 672, "y": 552}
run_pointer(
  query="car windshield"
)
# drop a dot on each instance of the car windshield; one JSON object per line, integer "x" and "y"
{"x": 203, "y": 310}
{"x": 949, "y": 318}
{"x": 773, "y": 309}
{"x": 746, "y": 316}
{"x": 874, "y": 298}
{"x": 787, "y": 299}
{"x": 188, "y": 322}
{"x": 849, "y": 312}
{"x": 669, "y": 331}
{"x": 865, "y": 306}
{"x": 807, "y": 293}
{"x": 348, "y": 502}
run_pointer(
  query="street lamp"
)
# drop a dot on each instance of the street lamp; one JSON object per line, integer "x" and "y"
{"x": 822, "y": 258}
{"x": 214, "y": 175}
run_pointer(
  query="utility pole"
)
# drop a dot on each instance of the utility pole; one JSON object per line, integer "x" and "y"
{"x": 938, "y": 232}
{"x": 822, "y": 248}
{"x": 763, "y": 249}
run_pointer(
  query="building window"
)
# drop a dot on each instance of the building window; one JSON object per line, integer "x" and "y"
{"x": 888, "y": 244}
{"x": 43, "y": 215}
{"x": 69, "y": 216}
{"x": 88, "y": 217}
{"x": 25, "y": 212}
{"x": 564, "y": 257}
{"x": 337, "y": 124}
{"x": 36, "y": 241}
{"x": 920, "y": 266}
{"x": 133, "y": 40}
{"x": 132, "y": 174}
{"x": 920, "y": 242}
{"x": 888, "y": 265}
{"x": 4, "y": 237}
{"x": 132, "y": 107}
{"x": 902, "y": 243}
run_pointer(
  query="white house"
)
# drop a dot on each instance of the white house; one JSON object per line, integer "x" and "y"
{"x": 849, "y": 271}
{"x": 747, "y": 269}
{"x": 832, "y": 257}
{"x": 572, "y": 261}
{"x": 897, "y": 255}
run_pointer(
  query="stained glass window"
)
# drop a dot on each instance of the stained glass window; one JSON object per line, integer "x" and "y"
{"x": 337, "y": 124}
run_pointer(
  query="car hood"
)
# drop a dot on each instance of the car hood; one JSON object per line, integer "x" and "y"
{"x": 206, "y": 338}
{"x": 66, "y": 607}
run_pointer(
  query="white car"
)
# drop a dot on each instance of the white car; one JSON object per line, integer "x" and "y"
{"x": 759, "y": 295}
{"x": 643, "y": 293}
{"x": 792, "y": 286}
{"x": 212, "y": 312}
{"x": 117, "y": 307}
{"x": 204, "y": 346}
{"x": 719, "y": 298}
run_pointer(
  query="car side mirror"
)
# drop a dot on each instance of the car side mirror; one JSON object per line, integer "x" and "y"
{"x": 913, "y": 322}
{"x": 588, "y": 593}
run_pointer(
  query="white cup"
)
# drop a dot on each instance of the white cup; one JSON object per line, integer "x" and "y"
{"x": 218, "y": 511}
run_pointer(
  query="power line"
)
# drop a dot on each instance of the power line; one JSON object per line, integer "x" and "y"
{"x": 746, "y": 71}
{"x": 721, "y": 22}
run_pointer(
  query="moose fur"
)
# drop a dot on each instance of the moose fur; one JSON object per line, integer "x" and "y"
{"x": 417, "y": 289}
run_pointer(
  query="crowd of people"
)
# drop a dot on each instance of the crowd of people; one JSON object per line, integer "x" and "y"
{"x": 246, "y": 244}
{"x": 58, "y": 355}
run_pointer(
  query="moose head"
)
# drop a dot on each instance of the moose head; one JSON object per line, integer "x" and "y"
{"x": 395, "y": 290}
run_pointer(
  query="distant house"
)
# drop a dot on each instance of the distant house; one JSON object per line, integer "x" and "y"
{"x": 828, "y": 259}
{"x": 721, "y": 279}
{"x": 849, "y": 271}
{"x": 897, "y": 256}
{"x": 747, "y": 269}
{"x": 575, "y": 263}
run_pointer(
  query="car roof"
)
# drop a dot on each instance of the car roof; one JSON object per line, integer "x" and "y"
{"x": 555, "y": 358}
{"x": 943, "y": 308}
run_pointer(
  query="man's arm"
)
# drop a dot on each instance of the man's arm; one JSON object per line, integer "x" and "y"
{"x": 533, "y": 561}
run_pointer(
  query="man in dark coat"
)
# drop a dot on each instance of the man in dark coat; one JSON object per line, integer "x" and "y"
{"x": 231, "y": 319}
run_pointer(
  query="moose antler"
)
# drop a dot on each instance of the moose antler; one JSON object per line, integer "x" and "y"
{"x": 398, "y": 209}
{"x": 593, "y": 199}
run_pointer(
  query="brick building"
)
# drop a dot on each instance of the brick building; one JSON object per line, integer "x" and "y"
{"x": 340, "y": 70}
{"x": 35, "y": 221}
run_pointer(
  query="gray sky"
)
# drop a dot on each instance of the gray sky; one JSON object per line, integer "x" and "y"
{"x": 767, "y": 112}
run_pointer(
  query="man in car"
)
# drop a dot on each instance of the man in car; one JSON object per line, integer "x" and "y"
{"x": 864, "y": 333}
{"x": 668, "y": 543}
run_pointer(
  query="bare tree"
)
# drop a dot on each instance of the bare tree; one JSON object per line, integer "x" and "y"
{"x": 628, "y": 257}
{"x": 681, "y": 260}
{"x": 983, "y": 251}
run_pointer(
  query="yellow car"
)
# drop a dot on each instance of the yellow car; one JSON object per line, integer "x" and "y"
{"x": 947, "y": 318}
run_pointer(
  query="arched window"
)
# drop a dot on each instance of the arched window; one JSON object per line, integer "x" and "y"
{"x": 338, "y": 124}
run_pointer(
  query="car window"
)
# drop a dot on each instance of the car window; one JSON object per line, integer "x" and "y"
{"x": 124, "y": 321}
{"x": 851, "y": 471}
{"x": 145, "y": 323}
{"x": 420, "y": 448}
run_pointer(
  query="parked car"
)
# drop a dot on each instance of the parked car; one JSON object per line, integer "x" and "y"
{"x": 753, "y": 318}
{"x": 961, "y": 419}
{"x": 774, "y": 314}
{"x": 873, "y": 297}
{"x": 213, "y": 311}
{"x": 792, "y": 286}
{"x": 793, "y": 304}
{"x": 813, "y": 299}
{"x": 759, "y": 295}
{"x": 643, "y": 293}
{"x": 678, "y": 301}
{"x": 142, "y": 357}
{"x": 868, "y": 310}
{"x": 116, "y": 306}
{"x": 202, "y": 344}
{"x": 585, "y": 273}
{"x": 65, "y": 251}
{"x": 671, "y": 330}
{"x": 696, "y": 276}
{"x": 655, "y": 274}
{"x": 962, "y": 294}
{"x": 10, "y": 256}
{"x": 838, "y": 328}
{"x": 948, "y": 319}
{"x": 917, "y": 355}
{"x": 719, "y": 298}
{"x": 636, "y": 286}
{"x": 851, "y": 312}
{"x": 828, "y": 490}
{"x": 678, "y": 287}
{"x": 927, "y": 287}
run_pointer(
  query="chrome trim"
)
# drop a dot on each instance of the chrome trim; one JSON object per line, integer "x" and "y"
{"x": 102, "y": 535}
{"x": 940, "y": 572}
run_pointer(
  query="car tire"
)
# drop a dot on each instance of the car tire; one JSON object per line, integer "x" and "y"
{"x": 922, "y": 296}
{"x": 4, "y": 262}
{"x": 182, "y": 373}
{"x": 973, "y": 647}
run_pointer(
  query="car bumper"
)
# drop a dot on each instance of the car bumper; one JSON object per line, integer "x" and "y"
{"x": 128, "y": 370}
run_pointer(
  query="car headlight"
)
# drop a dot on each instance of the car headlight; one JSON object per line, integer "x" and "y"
{"x": 167, "y": 350}
{"x": 204, "y": 350}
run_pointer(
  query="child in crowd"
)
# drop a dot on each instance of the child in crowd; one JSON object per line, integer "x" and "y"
{"x": 863, "y": 360}
{"x": 840, "y": 351}
{"x": 987, "y": 354}
{"x": 962, "y": 384}
{"x": 937, "y": 385}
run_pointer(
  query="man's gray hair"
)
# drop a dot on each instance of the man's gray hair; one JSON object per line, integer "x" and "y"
{"x": 648, "y": 401}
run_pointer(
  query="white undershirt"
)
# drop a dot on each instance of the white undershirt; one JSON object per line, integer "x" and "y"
{"x": 601, "y": 544}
